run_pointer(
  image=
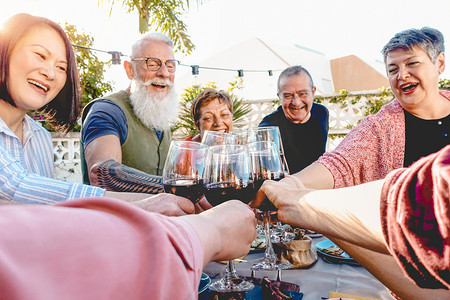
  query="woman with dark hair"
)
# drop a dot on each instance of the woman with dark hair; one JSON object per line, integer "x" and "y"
{"x": 38, "y": 71}
{"x": 63, "y": 110}
{"x": 212, "y": 110}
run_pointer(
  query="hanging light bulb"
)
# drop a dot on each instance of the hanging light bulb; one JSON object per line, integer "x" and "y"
{"x": 195, "y": 81}
{"x": 115, "y": 57}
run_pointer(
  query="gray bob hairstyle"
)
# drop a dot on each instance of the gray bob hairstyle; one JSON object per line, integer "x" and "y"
{"x": 429, "y": 39}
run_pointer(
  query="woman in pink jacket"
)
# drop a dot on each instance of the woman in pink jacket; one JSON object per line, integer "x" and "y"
{"x": 415, "y": 124}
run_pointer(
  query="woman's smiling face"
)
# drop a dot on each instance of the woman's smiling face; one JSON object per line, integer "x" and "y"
{"x": 37, "y": 68}
{"x": 412, "y": 75}
{"x": 215, "y": 116}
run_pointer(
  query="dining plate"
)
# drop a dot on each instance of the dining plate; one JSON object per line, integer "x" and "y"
{"x": 204, "y": 282}
{"x": 313, "y": 234}
{"x": 341, "y": 258}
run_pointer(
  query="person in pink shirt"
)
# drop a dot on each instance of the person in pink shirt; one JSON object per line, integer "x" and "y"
{"x": 413, "y": 125}
{"x": 397, "y": 228}
{"x": 98, "y": 248}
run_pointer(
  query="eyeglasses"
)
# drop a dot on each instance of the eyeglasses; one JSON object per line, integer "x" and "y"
{"x": 154, "y": 64}
{"x": 300, "y": 94}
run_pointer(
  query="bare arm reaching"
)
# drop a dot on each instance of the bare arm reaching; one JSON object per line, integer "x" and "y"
{"x": 351, "y": 214}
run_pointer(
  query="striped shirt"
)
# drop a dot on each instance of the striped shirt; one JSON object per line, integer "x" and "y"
{"x": 27, "y": 171}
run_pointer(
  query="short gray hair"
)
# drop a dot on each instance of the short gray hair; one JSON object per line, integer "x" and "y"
{"x": 429, "y": 39}
{"x": 151, "y": 36}
{"x": 291, "y": 71}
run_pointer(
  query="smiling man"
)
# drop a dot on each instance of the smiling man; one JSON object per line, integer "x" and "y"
{"x": 126, "y": 135}
{"x": 303, "y": 124}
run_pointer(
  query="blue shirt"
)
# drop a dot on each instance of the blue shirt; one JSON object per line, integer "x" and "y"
{"x": 27, "y": 171}
{"x": 107, "y": 118}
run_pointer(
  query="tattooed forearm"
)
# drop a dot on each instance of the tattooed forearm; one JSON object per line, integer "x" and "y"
{"x": 114, "y": 176}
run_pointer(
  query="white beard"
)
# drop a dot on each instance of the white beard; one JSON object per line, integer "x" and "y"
{"x": 154, "y": 111}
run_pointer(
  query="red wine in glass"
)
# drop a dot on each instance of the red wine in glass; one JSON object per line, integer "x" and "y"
{"x": 183, "y": 170}
{"x": 217, "y": 193}
{"x": 191, "y": 189}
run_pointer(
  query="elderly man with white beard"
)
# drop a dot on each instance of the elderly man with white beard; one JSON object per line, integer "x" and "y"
{"x": 126, "y": 135}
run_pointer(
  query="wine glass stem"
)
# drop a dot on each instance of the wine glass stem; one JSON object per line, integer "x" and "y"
{"x": 231, "y": 268}
{"x": 269, "y": 254}
{"x": 230, "y": 274}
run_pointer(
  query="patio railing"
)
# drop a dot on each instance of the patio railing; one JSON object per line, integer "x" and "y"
{"x": 342, "y": 119}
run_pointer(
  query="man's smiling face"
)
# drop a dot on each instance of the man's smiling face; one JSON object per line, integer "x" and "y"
{"x": 160, "y": 80}
{"x": 296, "y": 94}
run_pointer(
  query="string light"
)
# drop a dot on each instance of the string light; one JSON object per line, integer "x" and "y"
{"x": 115, "y": 60}
{"x": 196, "y": 68}
{"x": 115, "y": 55}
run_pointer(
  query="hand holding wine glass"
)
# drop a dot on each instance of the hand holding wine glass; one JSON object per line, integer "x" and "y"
{"x": 266, "y": 164}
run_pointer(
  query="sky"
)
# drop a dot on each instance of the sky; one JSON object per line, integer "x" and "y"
{"x": 335, "y": 28}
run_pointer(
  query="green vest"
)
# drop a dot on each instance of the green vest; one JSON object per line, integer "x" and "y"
{"x": 142, "y": 149}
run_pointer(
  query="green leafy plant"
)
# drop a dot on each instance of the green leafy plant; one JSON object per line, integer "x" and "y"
{"x": 162, "y": 16}
{"x": 444, "y": 84}
{"x": 374, "y": 104}
{"x": 91, "y": 69}
{"x": 185, "y": 123}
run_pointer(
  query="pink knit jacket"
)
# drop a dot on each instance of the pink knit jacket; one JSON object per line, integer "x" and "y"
{"x": 372, "y": 149}
{"x": 416, "y": 226}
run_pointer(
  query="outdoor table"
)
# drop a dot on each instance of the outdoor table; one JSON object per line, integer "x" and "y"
{"x": 316, "y": 281}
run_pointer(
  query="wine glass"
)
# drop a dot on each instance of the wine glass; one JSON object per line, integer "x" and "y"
{"x": 227, "y": 176}
{"x": 212, "y": 138}
{"x": 265, "y": 163}
{"x": 270, "y": 134}
{"x": 183, "y": 170}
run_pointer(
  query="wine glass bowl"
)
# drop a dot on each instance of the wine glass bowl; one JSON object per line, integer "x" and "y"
{"x": 183, "y": 170}
{"x": 213, "y": 138}
{"x": 269, "y": 134}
